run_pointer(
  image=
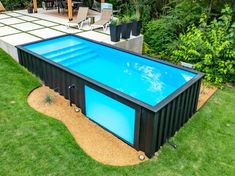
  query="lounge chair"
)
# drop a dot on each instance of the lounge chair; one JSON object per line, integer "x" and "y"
{"x": 104, "y": 20}
{"x": 2, "y": 9}
{"x": 81, "y": 17}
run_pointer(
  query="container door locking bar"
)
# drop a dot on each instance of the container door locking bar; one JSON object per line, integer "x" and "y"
{"x": 72, "y": 86}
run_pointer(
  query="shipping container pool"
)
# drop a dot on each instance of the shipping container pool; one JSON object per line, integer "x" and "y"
{"x": 140, "y": 100}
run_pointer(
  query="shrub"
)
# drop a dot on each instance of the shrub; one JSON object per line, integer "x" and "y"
{"x": 161, "y": 33}
{"x": 48, "y": 99}
{"x": 211, "y": 47}
{"x": 115, "y": 21}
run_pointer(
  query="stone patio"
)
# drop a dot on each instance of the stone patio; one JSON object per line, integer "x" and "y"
{"x": 19, "y": 27}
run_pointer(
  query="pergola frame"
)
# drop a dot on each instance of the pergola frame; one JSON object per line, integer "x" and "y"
{"x": 70, "y": 9}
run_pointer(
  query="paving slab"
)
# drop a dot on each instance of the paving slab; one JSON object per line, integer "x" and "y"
{"x": 28, "y": 18}
{"x": 10, "y": 21}
{"x": 21, "y": 27}
{"x": 2, "y": 16}
{"x": 45, "y": 23}
{"x": 13, "y": 14}
{"x": 132, "y": 44}
{"x": 27, "y": 26}
{"x": 63, "y": 28}
{"x": 46, "y": 33}
{"x": 19, "y": 39}
{"x": 96, "y": 36}
{"x": 6, "y": 30}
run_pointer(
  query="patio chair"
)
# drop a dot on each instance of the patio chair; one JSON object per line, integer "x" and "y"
{"x": 81, "y": 17}
{"x": 2, "y": 9}
{"x": 96, "y": 6}
{"x": 48, "y": 4}
{"x": 62, "y": 5}
{"x": 104, "y": 20}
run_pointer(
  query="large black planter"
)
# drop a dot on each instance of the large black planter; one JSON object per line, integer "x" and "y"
{"x": 136, "y": 28}
{"x": 115, "y": 32}
{"x": 126, "y": 30}
{"x": 30, "y": 10}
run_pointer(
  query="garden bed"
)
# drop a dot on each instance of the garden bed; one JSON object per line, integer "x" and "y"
{"x": 94, "y": 140}
{"x": 205, "y": 93}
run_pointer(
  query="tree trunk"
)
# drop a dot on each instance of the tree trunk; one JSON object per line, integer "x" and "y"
{"x": 210, "y": 7}
{"x": 137, "y": 8}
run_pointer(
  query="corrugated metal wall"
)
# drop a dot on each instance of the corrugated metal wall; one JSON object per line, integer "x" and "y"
{"x": 157, "y": 128}
{"x": 52, "y": 76}
{"x": 154, "y": 129}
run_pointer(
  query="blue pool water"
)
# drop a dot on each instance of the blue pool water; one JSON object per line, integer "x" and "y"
{"x": 143, "y": 79}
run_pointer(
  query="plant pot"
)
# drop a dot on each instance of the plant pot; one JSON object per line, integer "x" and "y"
{"x": 136, "y": 28}
{"x": 126, "y": 30}
{"x": 30, "y": 10}
{"x": 115, "y": 32}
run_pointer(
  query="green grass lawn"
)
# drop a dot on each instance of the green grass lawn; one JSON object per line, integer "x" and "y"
{"x": 34, "y": 144}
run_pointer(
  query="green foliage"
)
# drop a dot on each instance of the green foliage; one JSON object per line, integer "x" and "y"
{"x": 161, "y": 33}
{"x": 48, "y": 98}
{"x": 134, "y": 17}
{"x": 140, "y": 8}
{"x": 18, "y": 4}
{"x": 115, "y": 21}
{"x": 145, "y": 13}
{"x": 211, "y": 47}
{"x": 146, "y": 49}
{"x": 125, "y": 18}
{"x": 158, "y": 33}
{"x": 28, "y": 4}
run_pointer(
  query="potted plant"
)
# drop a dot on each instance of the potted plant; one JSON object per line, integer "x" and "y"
{"x": 115, "y": 30}
{"x": 136, "y": 25}
{"x": 29, "y": 6}
{"x": 126, "y": 27}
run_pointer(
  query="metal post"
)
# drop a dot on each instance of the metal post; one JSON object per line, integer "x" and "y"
{"x": 35, "y": 6}
{"x": 70, "y": 10}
